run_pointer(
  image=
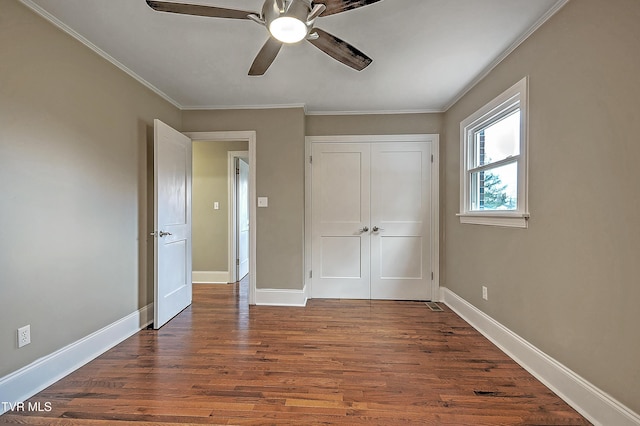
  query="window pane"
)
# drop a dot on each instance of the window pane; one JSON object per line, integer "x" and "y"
{"x": 495, "y": 189}
{"x": 497, "y": 141}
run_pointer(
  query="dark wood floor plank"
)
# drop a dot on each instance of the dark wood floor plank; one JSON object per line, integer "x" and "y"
{"x": 333, "y": 362}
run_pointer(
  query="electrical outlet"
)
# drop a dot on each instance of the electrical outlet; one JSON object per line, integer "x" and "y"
{"x": 24, "y": 335}
{"x": 485, "y": 293}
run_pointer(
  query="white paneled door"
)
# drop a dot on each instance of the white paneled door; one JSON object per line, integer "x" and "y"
{"x": 371, "y": 220}
{"x": 242, "y": 220}
{"x": 340, "y": 209}
{"x": 400, "y": 221}
{"x": 172, "y": 220}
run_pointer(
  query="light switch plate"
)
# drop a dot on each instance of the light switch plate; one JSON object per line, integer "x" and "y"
{"x": 263, "y": 201}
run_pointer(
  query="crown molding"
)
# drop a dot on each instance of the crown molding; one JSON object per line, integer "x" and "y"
{"x": 381, "y": 112}
{"x": 307, "y": 111}
{"x": 61, "y": 25}
{"x": 68, "y": 30}
{"x": 544, "y": 18}
{"x": 232, "y": 107}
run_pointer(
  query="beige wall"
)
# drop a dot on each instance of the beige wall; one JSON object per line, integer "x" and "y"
{"x": 279, "y": 176}
{"x": 280, "y": 173}
{"x": 570, "y": 283}
{"x": 75, "y": 139}
{"x": 210, "y": 228}
{"x": 75, "y": 156}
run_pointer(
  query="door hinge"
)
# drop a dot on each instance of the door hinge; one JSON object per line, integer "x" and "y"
{"x": 237, "y": 262}
{"x": 311, "y": 159}
{"x": 432, "y": 158}
{"x": 237, "y": 171}
{"x": 310, "y": 274}
{"x": 432, "y": 276}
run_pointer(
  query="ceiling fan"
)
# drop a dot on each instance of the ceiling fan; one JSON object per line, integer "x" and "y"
{"x": 288, "y": 21}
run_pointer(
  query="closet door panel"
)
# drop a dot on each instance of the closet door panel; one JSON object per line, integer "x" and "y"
{"x": 340, "y": 214}
{"x": 400, "y": 221}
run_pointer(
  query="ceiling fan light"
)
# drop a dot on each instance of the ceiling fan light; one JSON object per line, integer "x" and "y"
{"x": 288, "y": 29}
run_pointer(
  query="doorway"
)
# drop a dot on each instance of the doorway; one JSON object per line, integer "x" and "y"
{"x": 250, "y": 138}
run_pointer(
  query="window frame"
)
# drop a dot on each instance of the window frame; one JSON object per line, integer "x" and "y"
{"x": 512, "y": 99}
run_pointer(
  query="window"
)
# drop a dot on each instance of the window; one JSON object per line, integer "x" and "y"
{"x": 493, "y": 164}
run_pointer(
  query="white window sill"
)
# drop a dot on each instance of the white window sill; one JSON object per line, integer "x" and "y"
{"x": 510, "y": 220}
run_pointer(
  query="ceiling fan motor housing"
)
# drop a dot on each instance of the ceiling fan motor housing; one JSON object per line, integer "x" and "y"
{"x": 298, "y": 9}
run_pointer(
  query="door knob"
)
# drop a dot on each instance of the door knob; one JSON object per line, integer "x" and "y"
{"x": 376, "y": 229}
{"x": 365, "y": 229}
{"x": 163, "y": 234}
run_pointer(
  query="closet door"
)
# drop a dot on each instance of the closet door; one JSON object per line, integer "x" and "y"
{"x": 340, "y": 220}
{"x": 400, "y": 221}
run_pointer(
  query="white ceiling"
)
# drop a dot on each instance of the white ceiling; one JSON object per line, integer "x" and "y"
{"x": 426, "y": 53}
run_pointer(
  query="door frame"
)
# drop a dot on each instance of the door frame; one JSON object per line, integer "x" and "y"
{"x": 434, "y": 139}
{"x": 248, "y": 136}
{"x": 233, "y": 210}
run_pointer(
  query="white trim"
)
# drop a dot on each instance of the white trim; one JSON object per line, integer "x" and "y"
{"x": 250, "y": 137}
{"x": 513, "y": 221}
{"x": 311, "y": 112}
{"x": 281, "y": 297}
{"x": 434, "y": 139}
{"x": 514, "y": 98}
{"x": 70, "y": 31}
{"x": 381, "y": 112}
{"x": 593, "y": 403}
{"x": 241, "y": 107}
{"x": 231, "y": 216}
{"x": 232, "y": 237}
{"x": 435, "y": 218}
{"x": 55, "y": 21}
{"x": 308, "y": 215}
{"x": 371, "y": 138}
{"x": 33, "y": 378}
{"x": 210, "y": 277}
{"x": 508, "y": 51}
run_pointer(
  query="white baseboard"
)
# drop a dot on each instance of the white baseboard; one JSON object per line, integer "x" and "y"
{"x": 31, "y": 379}
{"x": 210, "y": 277}
{"x": 278, "y": 297}
{"x": 593, "y": 403}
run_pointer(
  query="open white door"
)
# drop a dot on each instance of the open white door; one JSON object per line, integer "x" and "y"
{"x": 172, "y": 223}
{"x": 243, "y": 218}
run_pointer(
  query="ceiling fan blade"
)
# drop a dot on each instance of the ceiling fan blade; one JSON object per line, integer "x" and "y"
{"x": 265, "y": 57}
{"x": 340, "y": 50}
{"x": 198, "y": 10}
{"x": 337, "y": 6}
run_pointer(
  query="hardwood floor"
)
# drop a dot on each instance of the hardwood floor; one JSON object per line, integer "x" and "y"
{"x": 333, "y": 362}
